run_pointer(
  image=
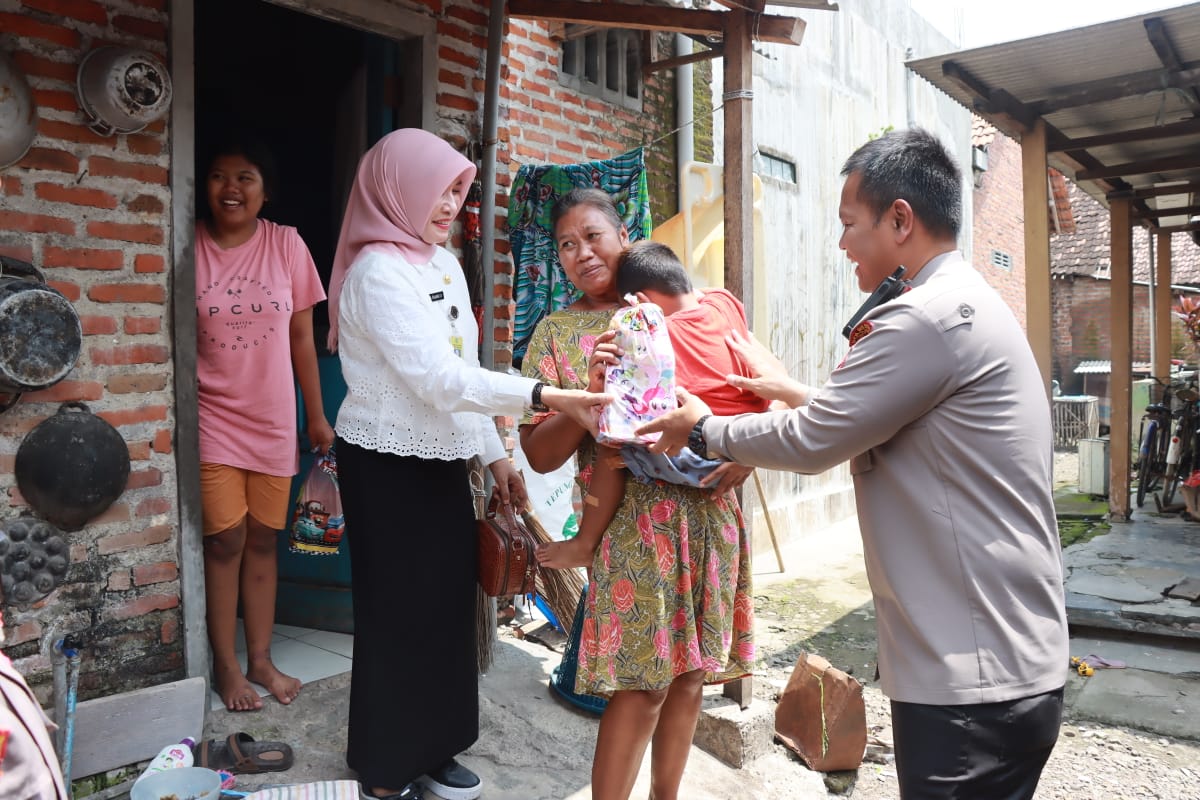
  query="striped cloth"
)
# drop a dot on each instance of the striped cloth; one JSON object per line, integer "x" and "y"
{"x": 540, "y": 286}
{"x": 319, "y": 790}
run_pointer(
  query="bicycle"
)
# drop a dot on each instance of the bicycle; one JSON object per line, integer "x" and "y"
{"x": 1181, "y": 449}
{"x": 1153, "y": 444}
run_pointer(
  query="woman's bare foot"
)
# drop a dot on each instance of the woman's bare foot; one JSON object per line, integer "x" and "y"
{"x": 236, "y": 692}
{"x": 285, "y": 688}
{"x": 561, "y": 555}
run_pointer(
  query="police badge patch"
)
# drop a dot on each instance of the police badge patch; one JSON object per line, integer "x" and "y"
{"x": 860, "y": 330}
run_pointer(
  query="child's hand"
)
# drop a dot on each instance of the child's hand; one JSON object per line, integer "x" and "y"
{"x": 607, "y": 353}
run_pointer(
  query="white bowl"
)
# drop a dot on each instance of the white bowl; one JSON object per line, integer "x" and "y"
{"x": 185, "y": 783}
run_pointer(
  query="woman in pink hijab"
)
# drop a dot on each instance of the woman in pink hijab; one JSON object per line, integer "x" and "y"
{"x": 418, "y": 405}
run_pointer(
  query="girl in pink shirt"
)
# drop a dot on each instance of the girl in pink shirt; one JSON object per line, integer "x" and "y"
{"x": 256, "y": 285}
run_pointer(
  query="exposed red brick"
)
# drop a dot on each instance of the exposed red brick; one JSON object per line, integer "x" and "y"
{"x": 75, "y": 195}
{"x": 120, "y": 542}
{"x": 453, "y": 101}
{"x": 119, "y": 580}
{"x": 136, "y": 325}
{"x": 139, "y": 451}
{"x": 127, "y": 293}
{"x": 83, "y": 258}
{"x": 55, "y": 98}
{"x": 103, "y": 167}
{"x": 145, "y": 262}
{"x": 21, "y": 252}
{"x": 64, "y": 391}
{"x": 22, "y": 25}
{"x": 141, "y": 606}
{"x": 82, "y": 10}
{"x": 160, "y": 572}
{"x": 153, "y": 505}
{"x": 45, "y": 67}
{"x": 134, "y": 416}
{"x": 145, "y": 204}
{"x": 44, "y": 158}
{"x": 138, "y": 26}
{"x": 69, "y": 132}
{"x": 25, "y": 632}
{"x": 137, "y": 383}
{"x": 95, "y": 325}
{"x": 143, "y": 144}
{"x": 140, "y": 479}
{"x": 69, "y": 290}
{"x": 124, "y": 355}
{"x": 10, "y": 186}
{"x": 162, "y": 441}
{"x": 135, "y": 232}
{"x": 36, "y": 223}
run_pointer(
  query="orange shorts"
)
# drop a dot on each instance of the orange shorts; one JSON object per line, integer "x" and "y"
{"x": 228, "y": 494}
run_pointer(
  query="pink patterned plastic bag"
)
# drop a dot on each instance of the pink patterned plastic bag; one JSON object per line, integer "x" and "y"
{"x": 643, "y": 383}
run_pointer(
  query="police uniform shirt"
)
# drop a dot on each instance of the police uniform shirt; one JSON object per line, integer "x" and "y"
{"x": 941, "y": 408}
{"x": 28, "y": 767}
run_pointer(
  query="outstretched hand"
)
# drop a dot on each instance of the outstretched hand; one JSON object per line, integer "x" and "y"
{"x": 769, "y": 376}
{"x": 582, "y": 407}
{"x": 675, "y": 426}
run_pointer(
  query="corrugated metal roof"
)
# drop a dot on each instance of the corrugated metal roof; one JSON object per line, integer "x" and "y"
{"x": 1099, "y": 79}
{"x": 1105, "y": 367}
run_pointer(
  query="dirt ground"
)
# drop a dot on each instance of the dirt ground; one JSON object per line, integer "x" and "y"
{"x": 831, "y": 615}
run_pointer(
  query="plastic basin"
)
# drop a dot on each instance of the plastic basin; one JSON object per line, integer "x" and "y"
{"x": 181, "y": 783}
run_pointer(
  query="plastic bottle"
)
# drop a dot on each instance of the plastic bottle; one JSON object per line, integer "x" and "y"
{"x": 170, "y": 757}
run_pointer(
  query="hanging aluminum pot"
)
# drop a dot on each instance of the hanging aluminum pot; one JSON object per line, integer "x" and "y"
{"x": 72, "y": 466}
{"x": 18, "y": 112}
{"x": 33, "y": 559}
{"x": 122, "y": 90}
{"x": 40, "y": 332}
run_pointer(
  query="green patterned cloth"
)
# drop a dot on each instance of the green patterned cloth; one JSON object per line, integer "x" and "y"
{"x": 671, "y": 589}
{"x": 540, "y": 286}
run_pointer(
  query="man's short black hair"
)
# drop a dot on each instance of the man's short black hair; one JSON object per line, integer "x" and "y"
{"x": 654, "y": 266}
{"x": 910, "y": 165}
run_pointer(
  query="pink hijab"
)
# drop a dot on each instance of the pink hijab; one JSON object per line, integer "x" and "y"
{"x": 399, "y": 181}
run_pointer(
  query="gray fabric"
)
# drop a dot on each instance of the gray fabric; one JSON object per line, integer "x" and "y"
{"x": 943, "y": 413}
{"x": 28, "y": 766}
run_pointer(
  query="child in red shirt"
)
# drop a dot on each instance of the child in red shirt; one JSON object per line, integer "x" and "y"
{"x": 698, "y": 324}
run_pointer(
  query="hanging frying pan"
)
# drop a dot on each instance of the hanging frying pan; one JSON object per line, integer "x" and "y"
{"x": 40, "y": 333}
{"x": 72, "y": 466}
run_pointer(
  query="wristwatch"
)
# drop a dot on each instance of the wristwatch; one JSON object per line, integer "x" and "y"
{"x": 535, "y": 398}
{"x": 696, "y": 442}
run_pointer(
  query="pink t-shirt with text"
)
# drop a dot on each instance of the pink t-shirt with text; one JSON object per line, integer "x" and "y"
{"x": 245, "y": 298}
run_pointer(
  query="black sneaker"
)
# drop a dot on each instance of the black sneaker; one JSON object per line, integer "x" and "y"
{"x": 410, "y": 792}
{"x": 453, "y": 781}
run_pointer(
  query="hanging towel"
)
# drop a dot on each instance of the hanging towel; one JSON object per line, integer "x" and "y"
{"x": 540, "y": 285}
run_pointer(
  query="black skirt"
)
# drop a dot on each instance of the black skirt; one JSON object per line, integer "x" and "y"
{"x": 414, "y": 692}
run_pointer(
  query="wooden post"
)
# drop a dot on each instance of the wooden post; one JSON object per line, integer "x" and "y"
{"x": 739, "y": 199}
{"x": 1120, "y": 381}
{"x": 1037, "y": 248}
{"x": 1162, "y": 308}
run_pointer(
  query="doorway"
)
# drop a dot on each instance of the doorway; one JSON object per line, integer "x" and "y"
{"x": 317, "y": 94}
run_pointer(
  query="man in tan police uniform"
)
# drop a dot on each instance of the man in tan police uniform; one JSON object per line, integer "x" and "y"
{"x": 28, "y": 767}
{"x": 941, "y": 410}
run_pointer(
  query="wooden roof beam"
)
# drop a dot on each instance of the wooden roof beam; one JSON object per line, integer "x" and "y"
{"x": 758, "y": 5}
{"x": 1116, "y": 88}
{"x": 1159, "y": 213}
{"x": 1190, "y": 226}
{"x": 991, "y": 102}
{"x": 767, "y": 27}
{"x": 1160, "y": 40}
{"x": 1157, "y": 191}
{"x": 679, "y": 61}
{"x": 1164, "y": 164}
{"x": 1185, "y": 128}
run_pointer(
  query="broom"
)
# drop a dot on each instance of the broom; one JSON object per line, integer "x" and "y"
{"x": 485, "y": 606}
{"x": 560, "y": 588}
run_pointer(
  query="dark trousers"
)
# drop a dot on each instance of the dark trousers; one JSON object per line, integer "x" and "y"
{"x": 972, "y": 752}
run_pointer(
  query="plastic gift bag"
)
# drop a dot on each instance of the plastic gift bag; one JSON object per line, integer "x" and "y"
{"x": 317, "y": 521}
{"x": 643, "y": 381}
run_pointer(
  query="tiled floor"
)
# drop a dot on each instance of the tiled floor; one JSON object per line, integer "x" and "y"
{"x": 302, "y": 652}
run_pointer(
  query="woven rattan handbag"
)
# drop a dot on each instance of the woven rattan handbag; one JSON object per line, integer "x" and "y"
{"x": 506, "y": 562}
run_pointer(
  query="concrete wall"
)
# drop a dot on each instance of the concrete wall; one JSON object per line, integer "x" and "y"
{"x": 814, "y": 104}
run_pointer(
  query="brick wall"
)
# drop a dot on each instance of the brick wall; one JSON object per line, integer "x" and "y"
{"x": 93, "y": 213}
{"x": 999, "y": 223}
